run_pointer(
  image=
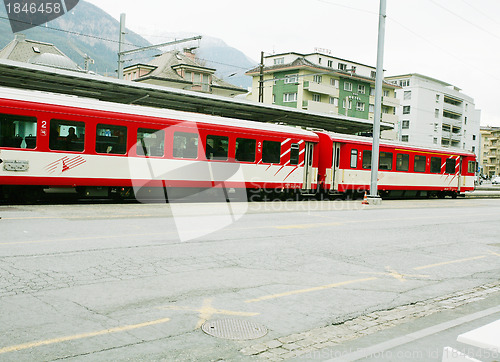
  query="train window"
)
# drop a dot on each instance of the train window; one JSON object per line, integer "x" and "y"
{"x": 271, "y": 152}
{"x": 471, "y": 167}
{"x": 245, "y": 150}
{"x": 216, "y": 147}
{"x": 185, "y": 145}
{"x": 450, "y": 165}
{"x": 402, "y": 162}
{"x": 435, "y": 164}
{"x": 354, "y": 158}
{"x": 367, "y": 160}
{"x": 385, "y": 161}
{"x": 150, "y": 142}
{"x": 419, "y": 164}
{"x": 17, "y": 131}
{"x": 66, "y": 135}
{"x": 294, "y": 154}
{"x": 111, "y": 139}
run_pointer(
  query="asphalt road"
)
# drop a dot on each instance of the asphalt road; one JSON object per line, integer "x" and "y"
{"x": 138, "y": 281}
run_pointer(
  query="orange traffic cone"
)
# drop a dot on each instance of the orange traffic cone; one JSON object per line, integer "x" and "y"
{"x": 365, "y": 200}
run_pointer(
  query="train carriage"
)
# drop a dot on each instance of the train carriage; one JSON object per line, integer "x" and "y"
{"x": 102, "y": 149}
{"x": 404, "y": 170}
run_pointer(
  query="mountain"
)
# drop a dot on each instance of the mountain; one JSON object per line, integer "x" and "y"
{"x": 87, "y": 29}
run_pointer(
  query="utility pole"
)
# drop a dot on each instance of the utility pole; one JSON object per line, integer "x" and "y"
{"x": 261, "y": 78}
{"x": 374, "y": 198}
{"x": 120, "y": 46}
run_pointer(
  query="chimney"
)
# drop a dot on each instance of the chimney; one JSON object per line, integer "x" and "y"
{"x": 189, "y": 53}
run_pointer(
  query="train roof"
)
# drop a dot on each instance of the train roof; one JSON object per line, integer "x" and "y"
{"x": 406, "y": 145}
{"x": 93, "y": 104}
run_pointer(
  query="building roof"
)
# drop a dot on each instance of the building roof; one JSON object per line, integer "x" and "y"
{"x": 35, "y": 52}
{"x": 167, "y": 62}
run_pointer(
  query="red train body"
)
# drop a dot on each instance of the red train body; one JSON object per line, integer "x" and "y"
{"x": 103, "y": 149}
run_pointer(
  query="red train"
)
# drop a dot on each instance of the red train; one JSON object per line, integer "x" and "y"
{"x": 104, "y": 149}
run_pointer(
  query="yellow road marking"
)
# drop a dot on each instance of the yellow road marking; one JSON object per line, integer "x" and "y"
{"x": 308, "y": 290}
{"x": 80, "y": 336}
{"x": 492, "y": 252}
{"x": 449, "y": 262}
{"x": 307, "y": 226}
{"x": 207, "y": 311}
{"x": 401, "y": 277}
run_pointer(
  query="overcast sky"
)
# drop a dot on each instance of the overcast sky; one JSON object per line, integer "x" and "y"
{"x": 456, "y": 41}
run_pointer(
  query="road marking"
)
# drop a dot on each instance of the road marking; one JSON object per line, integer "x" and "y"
{"x": 308, "y": 226}
{"x": 20, "y": 347}
{"x": 206, "y": 311}
{"x": 449, "y": 262}
{"x": 401, "y": 277}
{"x": 492, "y": 252}
{"x": 308, "y": 290}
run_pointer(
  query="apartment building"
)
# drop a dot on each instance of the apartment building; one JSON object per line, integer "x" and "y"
{"x": 434, "y": 112}
{"x": 489, "y": 159}
{"x": 322, "y": 83}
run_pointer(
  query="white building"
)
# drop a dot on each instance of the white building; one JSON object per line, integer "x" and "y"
{"x": 433, "y": 112}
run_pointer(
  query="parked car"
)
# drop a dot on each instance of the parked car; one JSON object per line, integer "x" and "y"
{"x": 496, "y": 180}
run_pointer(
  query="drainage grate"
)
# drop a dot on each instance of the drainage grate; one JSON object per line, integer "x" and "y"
{"x": 234, "y": 329}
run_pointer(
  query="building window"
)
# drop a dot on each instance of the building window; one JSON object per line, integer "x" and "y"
{"x": 386, "y": 93}
{"x": 407, "y": 95}
{"x": 437, "y": 98}
{"x": 316, "y": 97}
{"x": 278, "y": 61}
{"x": 406, "y": 109}
{"x": 360, "y": 106}
{"x": 342, "y": 66}
{"x": 404, "y": 138}
{"x": 348, "y": 86}
{"x": 317, "y": 79}
{"x": 361, "y": 88}
{"x": 350, "y": 104}
{"x": 372, "y": 91}
{"x": 373, "y": 74}
{"x": 334, "y": 101}
{"x": 290, "y": 97}
{"x": 404, "y": 83}
{"x": 473, "y": 137}
{"x": 334, "y": 82}
{"x": 330, "y": 63}
{"x": 371, "y": 108}
{"x": 291, "y": 78}
{"x": 405, "y": 124}
{"x": 436, "y": 113}
{"x": 435, "y": 140}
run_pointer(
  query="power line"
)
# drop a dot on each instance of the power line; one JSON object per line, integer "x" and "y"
{"x": 68, "y": 31}
{"x": 482, "y": 12}
{"x": 464, "y": 19}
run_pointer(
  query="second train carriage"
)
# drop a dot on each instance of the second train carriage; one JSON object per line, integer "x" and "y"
{"x": 404, "y": 169}
{"x": 98, "y": 148}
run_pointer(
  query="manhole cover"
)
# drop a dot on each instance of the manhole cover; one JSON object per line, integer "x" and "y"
{"x": 234, "y": 329}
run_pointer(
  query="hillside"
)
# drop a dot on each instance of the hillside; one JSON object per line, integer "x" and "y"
{"x": 87, "y": 29}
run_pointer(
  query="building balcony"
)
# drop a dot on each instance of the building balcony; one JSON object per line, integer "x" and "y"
{"x": 321, "y": 89}
{"x": 386, "y": 117}
{"x": 321, "y": 107}
{"x": 390, "y": 102}
{"x": 458, "y": 110}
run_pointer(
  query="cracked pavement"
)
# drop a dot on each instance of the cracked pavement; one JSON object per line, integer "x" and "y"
{"x": 115, "y": 282}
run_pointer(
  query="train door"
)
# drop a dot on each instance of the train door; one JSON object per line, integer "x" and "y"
{"x": 460, "y": 160}
{"x": 335, "y": 164}
{"x": 308, "y": 169}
